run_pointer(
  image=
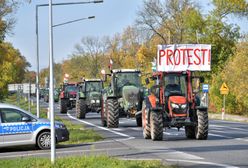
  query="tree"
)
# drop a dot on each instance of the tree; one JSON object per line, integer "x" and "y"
{"x": 92, "y": 49}
{"x": 12, "y": 67}
{"x": 176, "y": 21}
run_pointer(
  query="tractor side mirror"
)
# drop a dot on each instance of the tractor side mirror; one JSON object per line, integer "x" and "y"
{"x": 147, "y": 81}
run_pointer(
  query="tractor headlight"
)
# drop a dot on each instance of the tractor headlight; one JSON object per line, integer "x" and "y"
{"x": 97, "y": 101}
{"x": 92, "y": 101}
{"x": 183, "y": 106}
{"x": 173, "y": 105}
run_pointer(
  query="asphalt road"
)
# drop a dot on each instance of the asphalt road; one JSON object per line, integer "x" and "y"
{"x": 227, "y": 144}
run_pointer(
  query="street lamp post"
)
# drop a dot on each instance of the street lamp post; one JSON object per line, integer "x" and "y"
{"x": 37, "y": 44}
{"x": 77, "y": 20}
{"x": 51, "y": 102}
{"x": 51, "y": 62}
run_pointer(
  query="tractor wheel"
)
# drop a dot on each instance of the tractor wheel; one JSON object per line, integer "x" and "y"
{"x": 103, "y": 113}
{"x": 145, "y": 125}
{"x": 112, "y": 113}
{"x": 81, "y": 108}
{"x": 201, "y": 130}
{"x": 139, "y": 121}
{"x": 190, "y": 132}
{"x": 63, "y": 106}
{"x": 156, "y": 124}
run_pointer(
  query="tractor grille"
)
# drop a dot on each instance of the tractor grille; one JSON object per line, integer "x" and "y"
{"x": 72, "y": 96}
{"x": 179, "y": 111}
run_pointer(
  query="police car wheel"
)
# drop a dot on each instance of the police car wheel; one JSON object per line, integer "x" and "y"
{"x": 44, "y": 140}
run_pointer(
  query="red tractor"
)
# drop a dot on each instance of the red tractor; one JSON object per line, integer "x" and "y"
{"x": 173, "y": 103}
{"x": 68, "y": 96}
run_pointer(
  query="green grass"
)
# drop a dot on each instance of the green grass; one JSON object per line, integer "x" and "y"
{"x": 78, "y": 132}
{"x": 80, "y": 162}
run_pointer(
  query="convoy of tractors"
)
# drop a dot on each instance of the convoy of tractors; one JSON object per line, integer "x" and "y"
{"x": 172, "y": 100}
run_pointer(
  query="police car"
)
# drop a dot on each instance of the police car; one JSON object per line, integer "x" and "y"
{"x": 18, "y": 127}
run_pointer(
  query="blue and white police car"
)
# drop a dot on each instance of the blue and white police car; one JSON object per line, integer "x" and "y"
{"x": 19, "y": 127}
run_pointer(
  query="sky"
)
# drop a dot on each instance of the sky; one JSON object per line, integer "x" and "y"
{"x": 111, "y": 17}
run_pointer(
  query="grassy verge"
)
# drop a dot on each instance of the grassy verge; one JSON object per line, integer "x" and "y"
{"x": 78, "y": 133}
{"x": 81, "y": 162}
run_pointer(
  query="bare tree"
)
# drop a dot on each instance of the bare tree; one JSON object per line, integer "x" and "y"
{"x": 165, "y": 18}
{"x": 93, "y": 49}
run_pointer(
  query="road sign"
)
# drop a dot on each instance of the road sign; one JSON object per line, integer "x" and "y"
{"x": 205, "y": 88}
{"x": 224, "y": 89}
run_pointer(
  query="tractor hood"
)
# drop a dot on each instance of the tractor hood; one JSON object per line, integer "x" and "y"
{"x": 95, "y": 95}
{"x": 73, "y": 93}
{"x": 131, "y": 94}
{"x": 178, "y": 99}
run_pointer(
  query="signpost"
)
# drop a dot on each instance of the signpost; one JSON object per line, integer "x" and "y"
{"x": 205, "y": 89}
{"x": 224, "y": 90}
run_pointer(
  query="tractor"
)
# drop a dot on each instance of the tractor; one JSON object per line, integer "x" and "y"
{"x": 174, "y": 102}
{"x": 68, "y": 96}
{"x": 123, "y": 97}
{"x": 89, "y": 97}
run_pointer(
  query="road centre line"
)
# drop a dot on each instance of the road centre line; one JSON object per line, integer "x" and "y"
{"x": 99, "y": 127}
{"x": 201, "y": 162}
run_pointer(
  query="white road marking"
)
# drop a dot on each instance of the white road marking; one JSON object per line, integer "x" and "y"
{"x": 242, "y": 139}
{"x": 201, "y": 162}
{"x": 222, "y": 136}
{"x": 171, "y": 133}
{"x": 172, "y": 153}
{"x": 64, "y": 152}
{"x": 117, "y": 129}
{"x": 103, "y": 128}
{"x": 137, "y": 129}
{"x": 221, "y": 126}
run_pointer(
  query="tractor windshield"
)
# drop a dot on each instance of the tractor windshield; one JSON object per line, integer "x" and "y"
{"x": 71, "y": 88}
{"x": 128, "y": 78}
{"x": 94, "y": 86}
{"x": 175, "y": 85}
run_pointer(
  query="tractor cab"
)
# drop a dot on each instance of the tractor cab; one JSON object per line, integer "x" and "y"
{"x": 175, "y": 93}
{"x": 124, "y": 80}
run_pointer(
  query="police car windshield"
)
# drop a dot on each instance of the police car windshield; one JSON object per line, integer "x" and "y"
{"x": 93, "y": 86}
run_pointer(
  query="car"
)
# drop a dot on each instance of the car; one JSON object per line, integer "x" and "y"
{"x": 19, "y": 127}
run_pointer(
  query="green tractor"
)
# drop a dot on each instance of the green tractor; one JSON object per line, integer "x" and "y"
{"x": 123, "y": 97}
{"x": 89, "y": 97}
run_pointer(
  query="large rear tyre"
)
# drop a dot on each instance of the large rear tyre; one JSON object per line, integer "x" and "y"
{"x": 201, "y": 130}
{"x": 63, "y": 106}
{"x": 190, "y": 132}
{"x": 139, "y": 121}
{"x": 112, "y": 113}
{"x": 156, "y": 124}
{"x": 145, "y": 125}
{"x": 81, "y": 108}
